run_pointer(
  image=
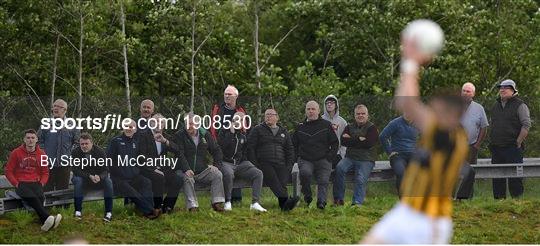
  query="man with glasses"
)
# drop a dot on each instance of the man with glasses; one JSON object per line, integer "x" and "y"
{"x": 225, "y": 112}
{"x": 58, "y": 144}
{"x": 270, "y": 148}
{"x": 510, "y": 121}
{"x": 331, "y": 114}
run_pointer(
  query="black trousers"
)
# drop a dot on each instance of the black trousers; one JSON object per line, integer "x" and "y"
{"x": 173, "y": 184}
{"x": 58, "y": 179}
{"x": 158, "y": 186}
{"x": 32, "y": 194}
{"x": 507, "y": 155}
{"x": 276, "y": 177}
{"x": 138, "y": 190}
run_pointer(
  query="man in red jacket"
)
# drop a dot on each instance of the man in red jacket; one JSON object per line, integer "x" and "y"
{"x": 25, "y": 171}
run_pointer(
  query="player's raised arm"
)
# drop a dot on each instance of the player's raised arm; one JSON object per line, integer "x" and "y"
{"x": 420, "y": 42}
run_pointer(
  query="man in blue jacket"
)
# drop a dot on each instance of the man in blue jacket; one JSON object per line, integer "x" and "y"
{"x": 398, "y": 139}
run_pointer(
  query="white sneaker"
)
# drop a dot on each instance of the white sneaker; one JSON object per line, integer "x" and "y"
{"x": 57, "y": 220}
{"x": 48, "y": 224}
{"x": 257, "y": 207}
{"x": 78, "y": 215}
{"x": 227, "y": 206}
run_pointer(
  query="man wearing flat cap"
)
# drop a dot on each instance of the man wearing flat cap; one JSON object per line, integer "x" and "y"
{"x": 510, "y": 123}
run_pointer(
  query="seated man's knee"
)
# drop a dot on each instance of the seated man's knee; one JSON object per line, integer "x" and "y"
{"x": 214, "y": 171}
{"x": 341, "y": 168}
{"x": 76, "y": 180}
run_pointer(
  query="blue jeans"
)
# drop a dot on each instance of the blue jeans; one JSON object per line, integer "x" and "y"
{"x": 80, "y": 183}
{"x": 362, "y": 170}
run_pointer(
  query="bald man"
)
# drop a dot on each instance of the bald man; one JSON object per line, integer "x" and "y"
{"x": 316, "y": 144}
{"x": 147, "y": 109}
{"x": 58, "y": 144}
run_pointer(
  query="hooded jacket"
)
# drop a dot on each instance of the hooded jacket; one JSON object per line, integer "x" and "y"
{"x": 338, "y": 123}
{"x": 24, "y": 166}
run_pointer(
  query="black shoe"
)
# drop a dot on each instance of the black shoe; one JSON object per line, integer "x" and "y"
{"x": 338, "y": 202}
{"x": 308, "y": 200}
{"x": 281, "y": 202}
{"x": 321, "y": 205}
{"x": 290, "y": 203}
{"x": 166, "y": 210}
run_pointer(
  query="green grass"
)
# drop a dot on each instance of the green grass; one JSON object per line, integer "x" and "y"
{"x": 481, "y": 220}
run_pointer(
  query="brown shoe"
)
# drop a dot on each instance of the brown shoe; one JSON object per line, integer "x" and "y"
{"x": 338, "y": 203}
{"x": 218, "y": 207}
{"x": 157, "y": 212}
{"x": 193, "y": 209}
{"x": 151, "y": 216}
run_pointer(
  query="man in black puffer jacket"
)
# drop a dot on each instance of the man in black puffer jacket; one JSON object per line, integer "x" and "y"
{"x": 233, "y": 143}
{"x": 271, "y": 150}
{"x": 315, "y": 144}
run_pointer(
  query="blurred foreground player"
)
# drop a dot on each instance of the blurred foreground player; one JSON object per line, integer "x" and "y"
{"x": 423, "y": 216}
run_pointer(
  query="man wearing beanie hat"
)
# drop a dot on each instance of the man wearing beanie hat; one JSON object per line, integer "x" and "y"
{"x": 510, "y": 121}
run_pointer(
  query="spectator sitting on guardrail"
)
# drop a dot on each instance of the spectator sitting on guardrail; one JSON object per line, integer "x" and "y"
{"x": 475, "y": 123}
{"x": 93, "y": 176}
{"x": 271, "y": 150}
{"x": 127, "y": 179}
{"x": 331, "y": 114}
{"x": 57, "y": 144}
{"x": 194, "y": 144}
{"x": 165, "y": 179}
{"x": 510, "y": 123}
{"x": 360, "y": 138}
{"x": 315, "y": 145}
{"x": 233, "y": 143}
{"x": 153, "y": 144}
{"x": 25, "y": 171}
{"x": 398, "y": 139}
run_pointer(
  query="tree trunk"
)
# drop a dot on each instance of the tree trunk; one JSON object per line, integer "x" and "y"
{"x": 124, "y": 53}
{"x": 79, "y": 90}
{"x": 258, "y": 71}
{"x": 193, "y": 52}
{"x": 55, "y": 64}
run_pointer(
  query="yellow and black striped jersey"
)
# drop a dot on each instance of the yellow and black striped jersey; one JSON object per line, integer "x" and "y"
{"x": 430, "y": 177}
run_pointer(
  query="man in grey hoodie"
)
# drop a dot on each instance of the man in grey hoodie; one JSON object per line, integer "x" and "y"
{"x": 331, "y": 113}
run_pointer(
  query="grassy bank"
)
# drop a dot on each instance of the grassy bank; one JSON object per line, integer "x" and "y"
{"x": 481, "y": 220}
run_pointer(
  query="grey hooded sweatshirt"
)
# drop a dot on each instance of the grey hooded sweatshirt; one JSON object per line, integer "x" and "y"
{"x": 338, "y": 123}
